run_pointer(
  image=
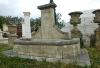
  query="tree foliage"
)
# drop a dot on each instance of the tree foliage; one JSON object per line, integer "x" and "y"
{"x": 35, "y": 23}
{"x": 59, "y": 22}
{"x": 2, "y": 20}
{"x": 9, "y": 20}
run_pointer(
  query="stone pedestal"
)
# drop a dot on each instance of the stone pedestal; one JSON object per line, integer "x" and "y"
{"x": 26, "y": 29}
{"x": 12, "y": 35}
{"x": 12, "y": 29}
{"x": 48, "y": 49}
{"x": 11, "y": 39}
{"x": 75, "y": 32}
{"x": 97, "y": 31}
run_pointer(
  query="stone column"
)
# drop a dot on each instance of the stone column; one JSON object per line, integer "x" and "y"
{"x": 47, "y": 19}
{"x": 26, "y": 29}
{"x": 97, "y": 31}
{"x": 75, "y": 20}
{"x": 1, "y": 34}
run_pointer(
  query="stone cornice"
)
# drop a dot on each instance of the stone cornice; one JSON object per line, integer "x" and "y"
{"x": 46, "y": 6}
{"x": 98, "y": 10}
{"x": 77, "y": 12}
{"x": 57, "y": 42}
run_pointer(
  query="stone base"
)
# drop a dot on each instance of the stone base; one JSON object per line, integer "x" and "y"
{"x": 48, "y": 48}
{"x": 97, "y": 33}
{"x": 81, "y": 59}
{"x": 66, "y": 51}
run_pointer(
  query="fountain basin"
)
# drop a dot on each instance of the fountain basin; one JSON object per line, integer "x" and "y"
{"x": 51, "y": 48}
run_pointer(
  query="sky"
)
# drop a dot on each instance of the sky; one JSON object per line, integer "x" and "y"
{"x": 17, "y": 7}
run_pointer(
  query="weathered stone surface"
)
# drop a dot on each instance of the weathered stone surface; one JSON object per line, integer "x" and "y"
{"x": 75, "y": 32}
{"x": 12, "y": 29}
{"x": 49, "y": 41}
{"x": 48, "y": 30}
{"x": 26, "y": 29}
{"x": 86, "y": 40}
{"x": 82, "y": 58}
{"x": 11, "y": 39}
{"x": 48, "y": 51}
{"x": 97, "y": 31}
{"x": 47, "y": 6}
{"x": 97, "y": 16}
{"x": 57, "y": 42}
{"x": 75, "y": 20}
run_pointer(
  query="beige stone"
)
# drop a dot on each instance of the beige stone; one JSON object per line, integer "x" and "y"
{"x": 48, "y": 41}
{"x": 48, "y": 30}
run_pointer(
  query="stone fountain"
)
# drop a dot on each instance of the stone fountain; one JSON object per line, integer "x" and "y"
{"x": 48, "y": 42}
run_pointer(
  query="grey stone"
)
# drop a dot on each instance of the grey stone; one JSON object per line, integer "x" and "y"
{"x": 84, "y": 58}
{"x": 47, "y": 42}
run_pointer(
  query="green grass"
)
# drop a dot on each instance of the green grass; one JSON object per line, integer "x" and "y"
{"x": 15, "y": 62}
{"x": 4, "y": 47}
{"x": 94, "y": 54}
